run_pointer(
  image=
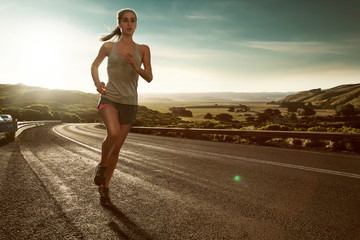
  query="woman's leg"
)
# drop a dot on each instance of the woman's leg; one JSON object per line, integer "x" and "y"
{"x": 116, "y": 135}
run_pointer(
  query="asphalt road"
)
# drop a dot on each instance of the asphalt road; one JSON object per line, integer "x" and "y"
{"x": 172, "y": 188}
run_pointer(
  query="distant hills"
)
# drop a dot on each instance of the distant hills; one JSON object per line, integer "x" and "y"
{"x": 213, "y": 97}
{"x": 20, "y": 95}
{"x": 328, "y": 98}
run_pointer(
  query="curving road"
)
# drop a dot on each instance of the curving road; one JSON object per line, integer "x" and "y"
{"x": 172, "y": 188}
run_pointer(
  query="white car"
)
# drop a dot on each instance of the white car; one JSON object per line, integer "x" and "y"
{"x": 6, "y": 118}
{"x": 1, "y": 120}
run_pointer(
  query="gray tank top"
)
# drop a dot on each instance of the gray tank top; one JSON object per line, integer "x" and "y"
{"x": 123, "y": 80}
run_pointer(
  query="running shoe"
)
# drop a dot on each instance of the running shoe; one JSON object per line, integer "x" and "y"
{"x": 104, "y": 196}
{"x": 100, "y": 173}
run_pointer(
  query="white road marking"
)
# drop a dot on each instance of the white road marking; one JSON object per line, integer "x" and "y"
{"x": 52, "y": 182}
{"x": 253, "y": 160}
{"x": 75, "y": 141}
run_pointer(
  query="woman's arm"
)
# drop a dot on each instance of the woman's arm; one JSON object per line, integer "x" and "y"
{"x": 103, "y": 52}
{"x": 145, "y": 73}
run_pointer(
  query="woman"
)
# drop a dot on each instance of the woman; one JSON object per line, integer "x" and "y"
{"x": 118, "y": 101}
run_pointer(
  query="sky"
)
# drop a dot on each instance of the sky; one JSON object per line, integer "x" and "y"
{"x": 196, "y": 45}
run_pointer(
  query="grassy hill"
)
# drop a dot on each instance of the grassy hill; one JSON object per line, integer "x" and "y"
{"x": 36, "y": 103}
{"x": 328, "y": 98}
{"x": 20, "y": 95}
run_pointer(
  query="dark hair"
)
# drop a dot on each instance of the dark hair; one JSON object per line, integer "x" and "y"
{"x": 116, "y": 32}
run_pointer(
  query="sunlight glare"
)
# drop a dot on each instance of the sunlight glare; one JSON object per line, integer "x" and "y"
{"x": 41, "y": 54}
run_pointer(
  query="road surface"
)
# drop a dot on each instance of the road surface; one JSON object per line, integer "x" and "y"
{"x": 172, "y": 188}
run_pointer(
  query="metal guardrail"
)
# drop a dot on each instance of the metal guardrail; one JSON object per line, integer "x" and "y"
{"x": 10, "y": 129}
{"x": 35, "y": 123}
{"x": 334, "y": 136}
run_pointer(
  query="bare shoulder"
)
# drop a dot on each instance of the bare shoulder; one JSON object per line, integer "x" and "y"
{"x": 144, "y": 48}
{"x": 106, "y": 47}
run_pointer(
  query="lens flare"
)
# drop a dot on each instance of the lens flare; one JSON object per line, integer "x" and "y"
{"x": 238, "y": 178}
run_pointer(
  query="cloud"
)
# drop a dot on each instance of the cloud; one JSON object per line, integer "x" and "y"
{"x": 295, "y": 47}
{"x": 205, "y": 17}
{"x": 204, "y": 14}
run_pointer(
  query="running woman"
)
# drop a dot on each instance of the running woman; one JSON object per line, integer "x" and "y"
{"x": 119, "y": 99}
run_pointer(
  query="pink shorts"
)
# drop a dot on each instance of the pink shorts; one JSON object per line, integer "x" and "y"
{"x": 102, "y": 105}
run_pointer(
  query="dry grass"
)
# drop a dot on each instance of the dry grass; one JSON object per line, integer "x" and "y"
{"x": 198, "y": 113}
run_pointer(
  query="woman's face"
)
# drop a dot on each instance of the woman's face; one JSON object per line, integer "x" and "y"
{"x": 128, "y": 23}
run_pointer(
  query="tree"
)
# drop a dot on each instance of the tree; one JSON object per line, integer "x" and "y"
{"x": 43, "y": 109}
{"x": 231, "y": 109}
{"x": 276, "y": 112}
{"x": 347, "y": 110}
{"x": 307, "y": 111}
{"x": 244, "y": 108}
{"x": 272, "y": 113}
{"x": 293, "y": 117}
{"x": 224, "y": 117}
{"x": 262, "y": 117}
{"x": 181, "y": 112}
{"x": 39, "y": 107}
{"x": 208, "y": 116}
{"x": 31, "y": 115}
{"x": 57, "y": 115}
{"x": 70, "y": 117}
{"x": 292, "y": 108}
{"x": 250, "y": 119}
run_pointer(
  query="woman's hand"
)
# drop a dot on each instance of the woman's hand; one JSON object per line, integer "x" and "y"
{"x": 131, "y": 60}
{"x": 101, "y": 88}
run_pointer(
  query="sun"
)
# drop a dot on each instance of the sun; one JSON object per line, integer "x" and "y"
{"x": 53, "y": 54}
{"x": 41, "y": 57}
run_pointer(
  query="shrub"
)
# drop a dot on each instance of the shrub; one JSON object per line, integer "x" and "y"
{"x": 208, "y": 116}
{"x": 31, "y": 115}
{"x": 348, "y": 129}
{"x": 150, "y": 118}
{"x": 315, "y": 144}
{"x": 317, "y": 129}
{"x": 275, "y": 127}
{"x": 296, "y": 142}
{"x": 307, "y": 111}
{"x": 70, "y": 118}
{"x": 224, "y": 117}
{"x": 339, "y": 146}
{"x": 347, "y": 110}
{"x": 181, "y": 112}
{"x": 231, "y": 109}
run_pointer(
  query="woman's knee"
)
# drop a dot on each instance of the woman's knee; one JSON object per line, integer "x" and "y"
{"x": 112, "y": 136}
{"x": 115, "y": 139}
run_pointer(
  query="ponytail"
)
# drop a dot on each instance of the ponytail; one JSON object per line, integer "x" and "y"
{"x": 116, "y": 32}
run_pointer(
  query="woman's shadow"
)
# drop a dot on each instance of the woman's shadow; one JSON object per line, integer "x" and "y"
{"x": 136, "y": 232}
